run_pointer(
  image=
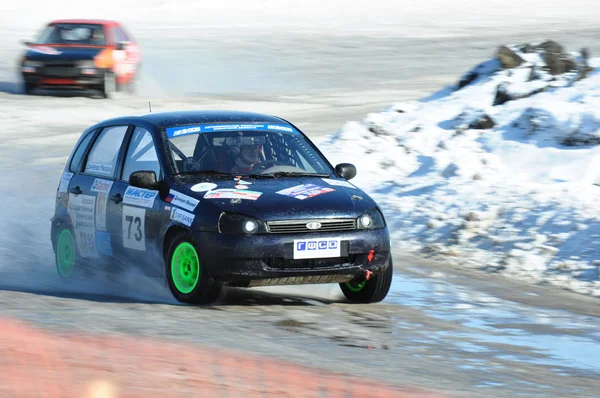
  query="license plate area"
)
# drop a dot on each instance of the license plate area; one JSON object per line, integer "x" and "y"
{"x": 303, "y": 249}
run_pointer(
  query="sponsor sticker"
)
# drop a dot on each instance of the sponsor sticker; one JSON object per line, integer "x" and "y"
{"x": 81, "y": 210}
{"x": 65, "y": 179}
{"x": 204, "y": 186}
{"x": 305, "y": 191}
{"x": 134, "y": 224}
{"x": 101, "y": 204}
{"x": 232, "y": 194}
{"x": 279, "y": 127}
{"x": 139, "y": 197}
{"x": 317, "y": 248}
{"x": 183, "y": 130}
{"x": 338, "y": 183}
{"x": 239, "y": 180}
{"x": 182, "y": 200}
{"x": 182, "y": 216}
{"x": 100, "y": 168}
{"x": 46, "y": 50}
{"x": 100, "y": 185}
{"x": 241, "y": 187}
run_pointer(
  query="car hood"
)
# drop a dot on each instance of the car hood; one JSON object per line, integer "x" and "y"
{"x": 51, "y": 53}
{"x": 263, "y": 201}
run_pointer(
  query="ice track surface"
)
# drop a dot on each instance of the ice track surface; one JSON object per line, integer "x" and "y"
{"x": 440, "y": 328}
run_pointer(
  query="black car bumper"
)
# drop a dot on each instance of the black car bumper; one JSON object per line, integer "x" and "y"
{"x": 268, "y": 259}
{"x": 63, "y": 76}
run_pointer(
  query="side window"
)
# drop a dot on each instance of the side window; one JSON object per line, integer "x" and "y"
{"x": 75, "y": 165}
{"x": 102, "y": 159}
{"x": 141, "y": 154}
{"x": 120, "y": 34}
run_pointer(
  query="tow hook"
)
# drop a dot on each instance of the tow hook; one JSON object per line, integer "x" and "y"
{"x": 371, "y": 255}
{"x": 368, "y": 274}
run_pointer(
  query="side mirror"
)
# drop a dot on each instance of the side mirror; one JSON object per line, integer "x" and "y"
{"x": 120, "y": 45}
{"x": 346, "y": 170}
{"x": 143, "y": 179}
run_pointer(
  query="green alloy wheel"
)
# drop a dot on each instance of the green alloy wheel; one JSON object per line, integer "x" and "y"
{"x": 370, "y": 291}
{"x": 65, "y": 253}
{"x": 188, "y": 280}
{"x": 185, "y": 267}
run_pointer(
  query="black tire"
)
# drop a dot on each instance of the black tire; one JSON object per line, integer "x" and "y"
{"x": 66, "y": 253}
{"x": 206, "y": 289}
{"x": 28, "y": 88}
{"x": 109, "y": 86}
{"x": 374, "y": 290}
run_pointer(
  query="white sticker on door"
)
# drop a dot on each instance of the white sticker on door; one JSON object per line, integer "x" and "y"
{"x": 100, "y": 185}
{"x": 182, "y": 216}
{"x": 182, "y": 200}
{"x": 81, "y": 210}
{"x": 103, "y": 188}
{"x": 134, "y": 236}
{"x": 139, "y": 197}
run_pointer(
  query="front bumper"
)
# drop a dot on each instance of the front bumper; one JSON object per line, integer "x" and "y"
{"x": 267, "y": 259}
{"x": 67, "y": 76}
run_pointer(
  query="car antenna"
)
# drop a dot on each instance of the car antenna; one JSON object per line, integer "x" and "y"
{"x": 150, "y": 106}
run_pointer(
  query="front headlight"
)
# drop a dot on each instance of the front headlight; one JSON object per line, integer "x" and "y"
{"x": 32, "y": 64}
{"x": 240, "y": 224}
{"x": 371, "y": 219}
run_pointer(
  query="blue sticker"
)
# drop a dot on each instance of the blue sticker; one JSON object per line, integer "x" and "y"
{"x": 103, "y": 243}
{"x": 206, "y": 128}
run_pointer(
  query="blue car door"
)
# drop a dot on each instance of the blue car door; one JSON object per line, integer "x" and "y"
{"x": 134, "y": 212}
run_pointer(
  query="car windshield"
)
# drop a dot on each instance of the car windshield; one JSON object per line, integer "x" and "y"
{"x": 267, "y": 150}
{"x": 71, "y": 33}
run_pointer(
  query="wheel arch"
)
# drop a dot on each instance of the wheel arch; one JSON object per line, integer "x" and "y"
{"x": 172, "y": 230}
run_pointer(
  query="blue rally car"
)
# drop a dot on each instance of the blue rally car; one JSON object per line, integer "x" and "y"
{"x": 212, "y": 198}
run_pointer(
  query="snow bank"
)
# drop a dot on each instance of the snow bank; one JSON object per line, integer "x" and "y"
{"x": 508, "y": 188}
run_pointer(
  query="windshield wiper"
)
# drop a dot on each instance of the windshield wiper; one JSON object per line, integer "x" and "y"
{"x": 207, "y": 172}
{"x": 296, "y": 174}
{"x": 257, "y": 175}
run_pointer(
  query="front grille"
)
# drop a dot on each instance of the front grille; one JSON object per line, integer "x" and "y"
{"x": 60, "y": 71}
{"x": 299, "y": 226}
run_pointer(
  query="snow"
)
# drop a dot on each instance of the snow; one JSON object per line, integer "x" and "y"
{"x": 519, "y": 199}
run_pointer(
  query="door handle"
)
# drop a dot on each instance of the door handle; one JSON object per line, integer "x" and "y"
{"x": 117, "y": 198}
{"x": 76, "y": 190}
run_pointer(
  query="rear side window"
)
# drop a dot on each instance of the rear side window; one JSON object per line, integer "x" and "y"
{"x": 102, "y": 159}
{"x": 75, "y": 165}
{"x": 141, "y": 154}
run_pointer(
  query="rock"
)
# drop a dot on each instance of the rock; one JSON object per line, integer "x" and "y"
{"x": 557, "y": 61}
{"x": 450, "y": 171}
{"x": 485, "y": 122}
{"x": 502, "y": 95}
{"x": 508, "y": 57}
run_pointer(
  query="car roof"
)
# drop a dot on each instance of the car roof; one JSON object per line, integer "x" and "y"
{"x": 178, "y": 118}
{"x": 85, "y": 21}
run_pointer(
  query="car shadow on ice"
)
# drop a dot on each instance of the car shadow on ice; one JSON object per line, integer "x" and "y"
{"x": 230, "y": 296}
{"x": 10, "y": 88}
{"x": 17, "y": 89}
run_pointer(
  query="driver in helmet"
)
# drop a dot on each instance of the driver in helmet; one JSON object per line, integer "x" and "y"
{"x": 247, "y": 158}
